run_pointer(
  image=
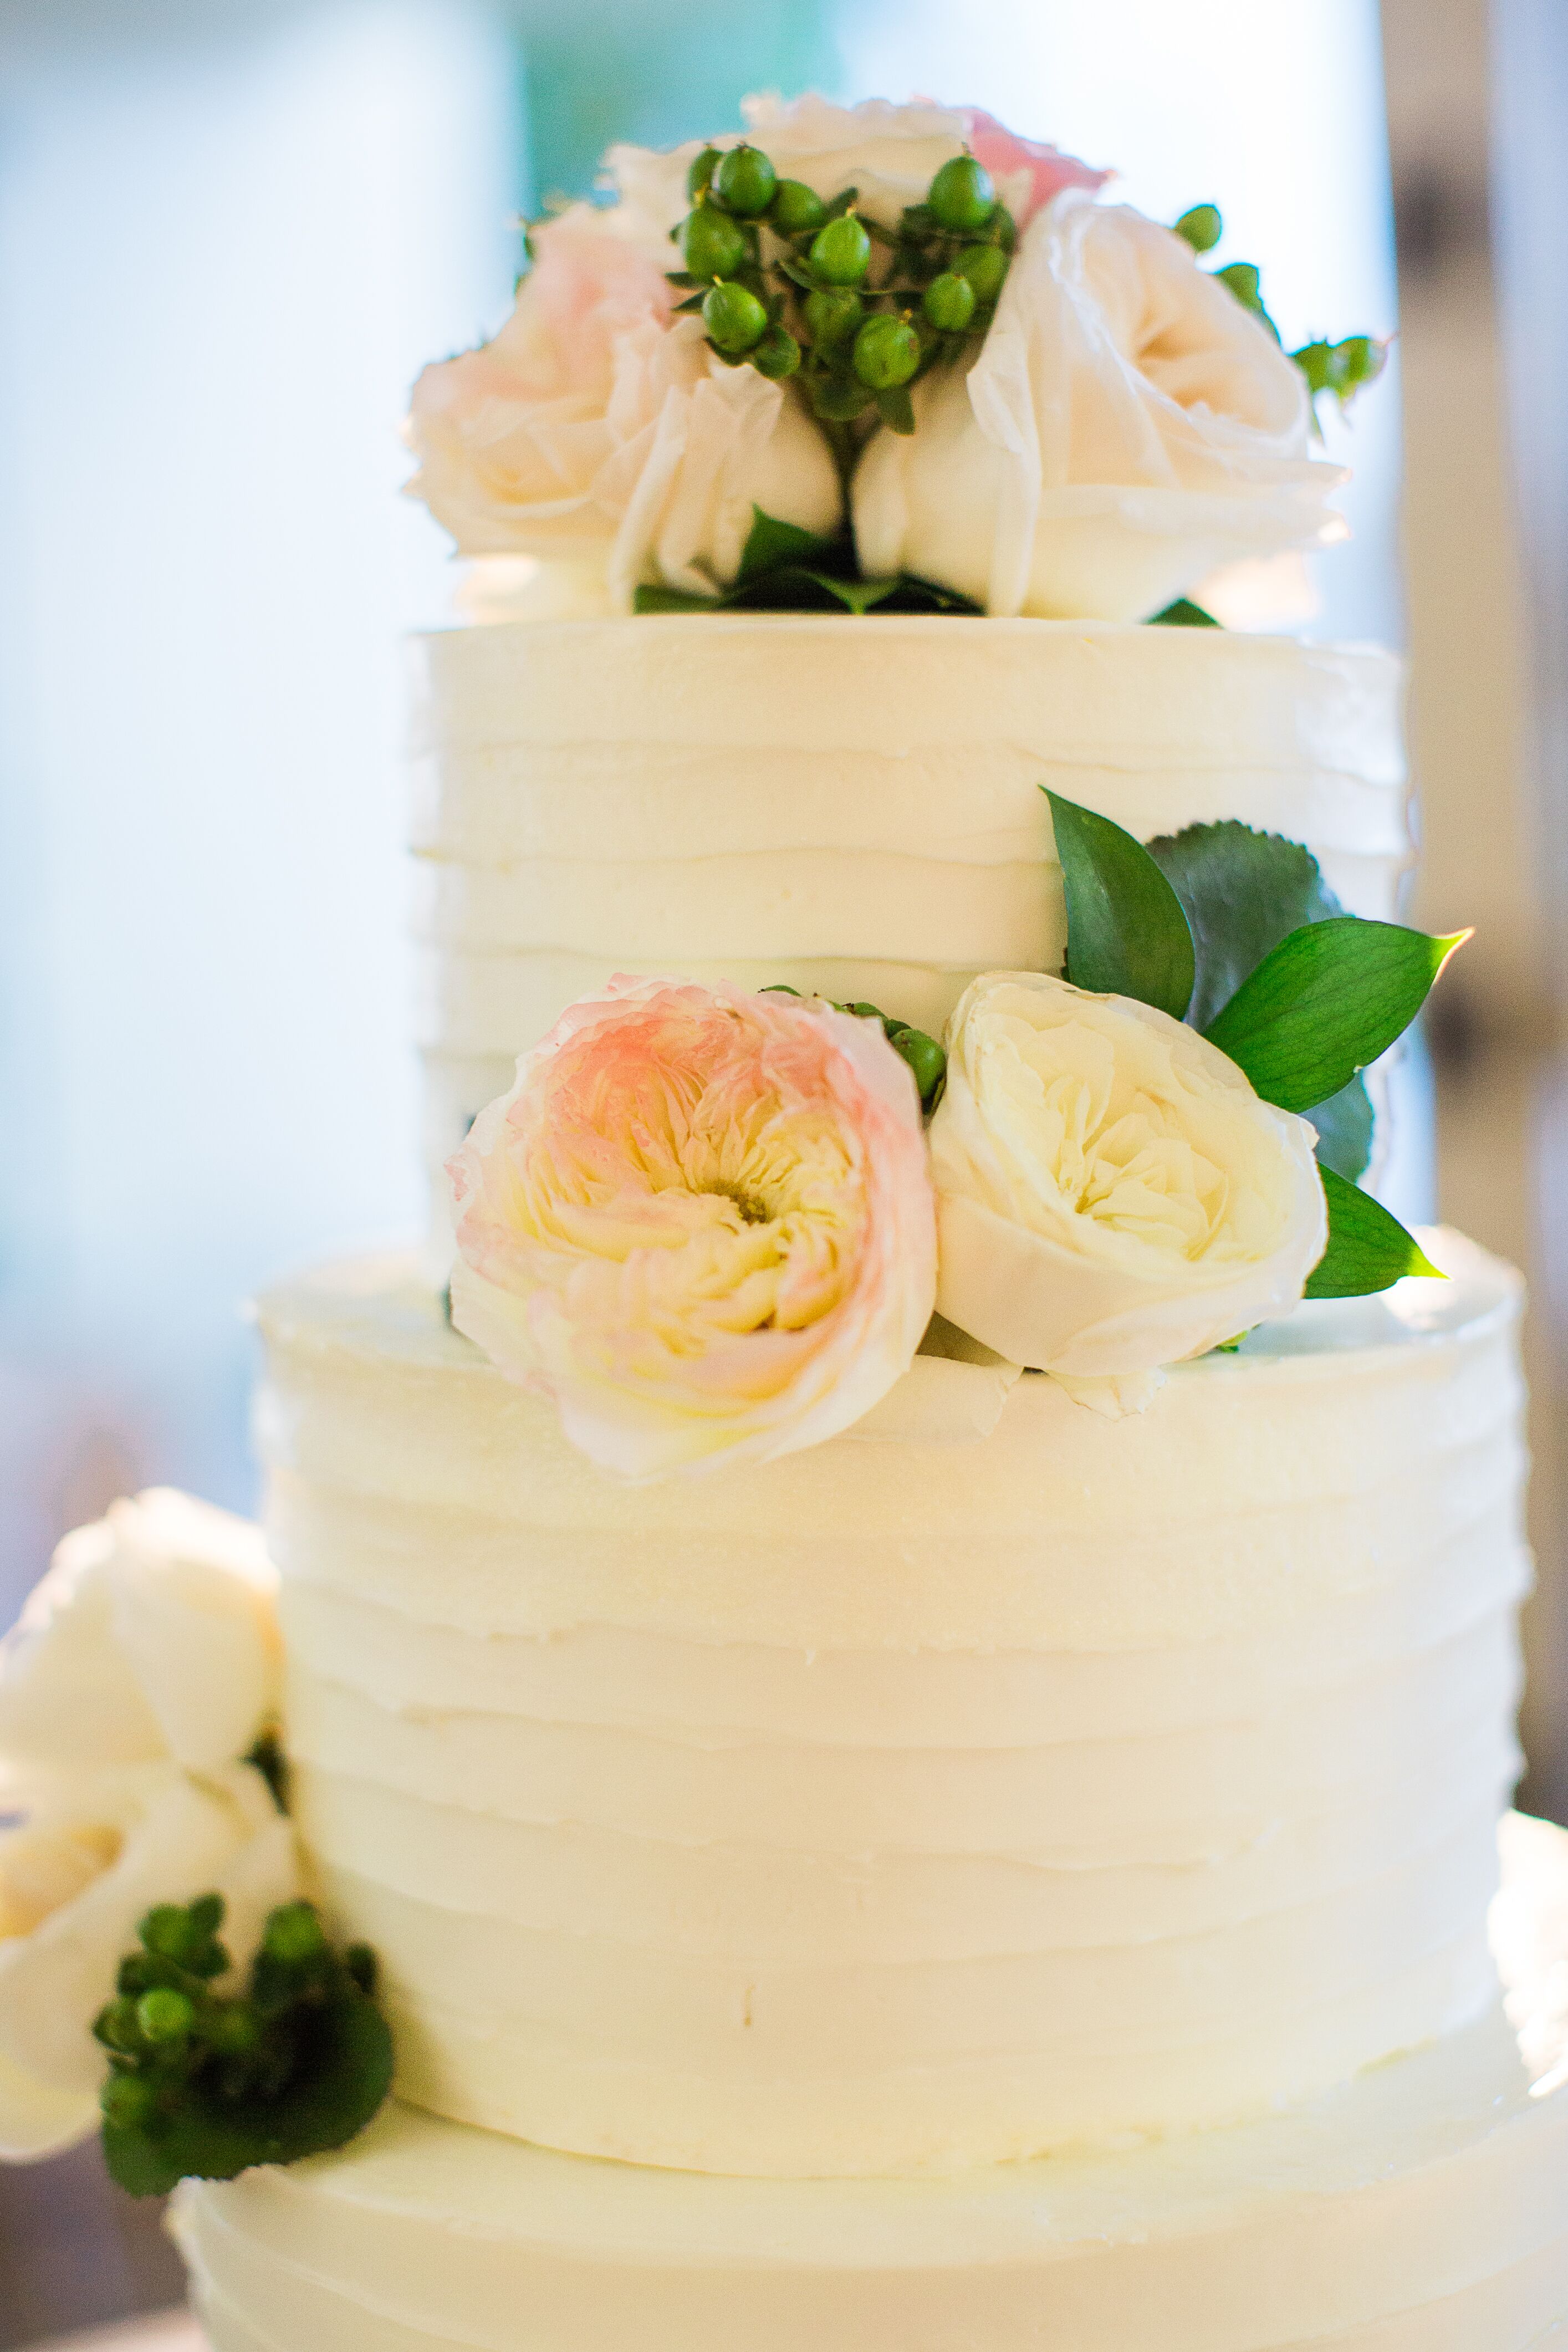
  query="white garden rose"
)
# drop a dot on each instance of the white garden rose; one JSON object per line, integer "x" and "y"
{"x": 143, "y": 1669}
{"x": 75, "y": 1879}
{"x": 594, "y": 431}
{"x": 1111, "y": 1195}
{"x": 1126, "y": 428}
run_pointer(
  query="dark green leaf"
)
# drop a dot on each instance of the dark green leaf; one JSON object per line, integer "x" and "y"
{"x": 896, "y": 409}
{"x": 1345, "y": 1125}
{"x": 1126, "y": 933}
{"x": 1184, "y": 614}
{"x": 1325, "y": 1002}
{"x": 855, "y": 595}
{"x": 673, "y": 600}
{"x": 840, "y": 204}
{"x": 344, "y": 2074}
{"x": 771, "y": 543}
{"x": 1242, "y": 893}
{"x": 1368, "y": 1250}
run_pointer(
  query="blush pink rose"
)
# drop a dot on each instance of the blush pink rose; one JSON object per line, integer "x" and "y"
{"x": 702, "y": 1221}
{"x": 594, "y": 430}
{"x": 1032, "y": 172}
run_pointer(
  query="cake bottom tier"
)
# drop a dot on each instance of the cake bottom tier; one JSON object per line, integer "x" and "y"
{"x": 1423, "y": 2209}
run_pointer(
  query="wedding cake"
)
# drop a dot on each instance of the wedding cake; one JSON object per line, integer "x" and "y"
{"x": 900, "y": 1636}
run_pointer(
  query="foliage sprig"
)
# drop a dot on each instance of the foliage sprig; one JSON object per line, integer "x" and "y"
{"x": 1343, "y": 369}
{"x": 1237, "y": 933}
{"x": 818, "y": 291}
{"x": 206, "y": 2084}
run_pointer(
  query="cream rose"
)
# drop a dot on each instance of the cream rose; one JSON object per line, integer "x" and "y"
{"x": 701, "y": 1221}
{"x": 594, "y": 431}
{"x": 142, "y": 1671}
{"x": 1126, "y": 428}
{"x": 1111, "y": 1195}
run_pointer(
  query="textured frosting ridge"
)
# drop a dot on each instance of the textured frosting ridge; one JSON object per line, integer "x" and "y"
{"x": 1419, "y": 2210}
{"x": 905, "y": 1806}
{"x": 749, "y": 798}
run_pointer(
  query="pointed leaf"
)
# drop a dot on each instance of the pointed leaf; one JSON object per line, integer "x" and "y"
{"x": 770, "y": 542}
{"x": 855, "y": 596}
{"x": 1345, "y": 1124}
{"x": 1184, "y": 614}
{"x": 673, "y": 600}
{"x": 1368, "y": 1250}
{"x": 1325, "y": 1002}
{"x": 1126, "y": 933}
{"x": 1242, "y": 892}
{"x": 896, "y": 409}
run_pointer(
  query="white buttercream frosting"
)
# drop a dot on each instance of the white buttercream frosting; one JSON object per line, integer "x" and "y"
{"x": 902, "y": 1806}
{"x": 852, "y": 808}
{"x": 1419, "y": 2210}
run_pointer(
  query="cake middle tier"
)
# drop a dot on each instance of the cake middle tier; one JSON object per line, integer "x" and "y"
{"x": 907, "y": 1804}
{"x": 749, "y": 798}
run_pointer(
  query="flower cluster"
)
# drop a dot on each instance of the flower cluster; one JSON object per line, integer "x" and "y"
{"x": 132, "y": 1696}
{"x": 709, "y": 1226}
{"x": 898, "y": 329}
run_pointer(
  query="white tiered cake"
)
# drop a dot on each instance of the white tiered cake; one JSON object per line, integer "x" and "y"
{"x": 994, "y": 1782}
{"x": 1010, "y": 1856}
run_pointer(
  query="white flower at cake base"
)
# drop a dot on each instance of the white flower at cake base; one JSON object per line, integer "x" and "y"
{"x": 593, "y": 431}
{"x": 144, "y": 1670}
{"x": 889, "y": 154}
{"x": 1112, "y": 1194}
{"x": 702, "y": 1221}
{"x": 1126, "y": 428}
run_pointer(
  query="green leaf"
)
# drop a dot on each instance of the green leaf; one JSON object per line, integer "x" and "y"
{"x": 1126, "y": 933}
{"x": 1326, "y": 1002}
{"x": 855, "y": 595}
{"x": 1345, "y": 1125}
{"x": 1243, "y": 892}
{"x": 771, "y": 543}
{"x": 1184, "y": 614}
{"x": 673, "y": 600}
{"x": 896, "y": 409}
{"x": 1368, "y": 1250}
{"x": 344, "y": 2073}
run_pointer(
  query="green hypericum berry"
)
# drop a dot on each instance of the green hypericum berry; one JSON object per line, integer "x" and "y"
{"x": 129, "y": 2101}
{"x": 887, "y": 352}
{"x": 163, "y": 2014}
{"x": 796, "y": 209}
{"x": 714, "y": 246}
{"x": 841, "y": 253}
{"x": 699, "y": 179}
{"x": 833, "y": 314}
{"x": 1244, "y": 281}
{"x": 233, "y": 2029}
{"x": 293, "y": 1932}
{"x": 735, "y": 319}
{"x": 1202, "y": 227}
{"x": 924, "y": 1055}
{"x": 746, "y": 180}
{"x": 985, "y": 267}
{"x": 949, "y": 302}
{"x": 962, "y": 195}
{"x": 777, "y": 355}
{"x": 116, "y": 2026}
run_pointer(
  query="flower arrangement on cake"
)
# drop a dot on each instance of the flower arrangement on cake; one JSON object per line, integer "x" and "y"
{"x": 879, "y": 358}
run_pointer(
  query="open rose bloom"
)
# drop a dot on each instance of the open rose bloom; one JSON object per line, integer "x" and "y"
{"x": 1112, "y": 1194}
{"x": 702, "y": 1221}
{"x": 142, "y": 1671}
{"x": 1125, "y": 429}
{"x": 594, "y": 431}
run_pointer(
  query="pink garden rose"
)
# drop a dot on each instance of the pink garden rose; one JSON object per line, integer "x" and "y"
{"x": 702, "y": 1221}
{"x": 1027, "y": 172}
{"x": 591, "y": 428}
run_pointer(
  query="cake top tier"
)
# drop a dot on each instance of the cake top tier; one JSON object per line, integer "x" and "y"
{"x": 881, "y": 355}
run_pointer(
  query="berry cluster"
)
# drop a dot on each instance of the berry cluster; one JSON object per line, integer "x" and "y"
{"x": 1343, "y": 368}
{"x": 926, "y": 1058}
{"x": 812, "y": 289}
{"x": 187, "y": 2062}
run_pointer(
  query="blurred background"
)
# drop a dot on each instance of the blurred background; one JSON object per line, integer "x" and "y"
{"x": 231, "y": 231}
